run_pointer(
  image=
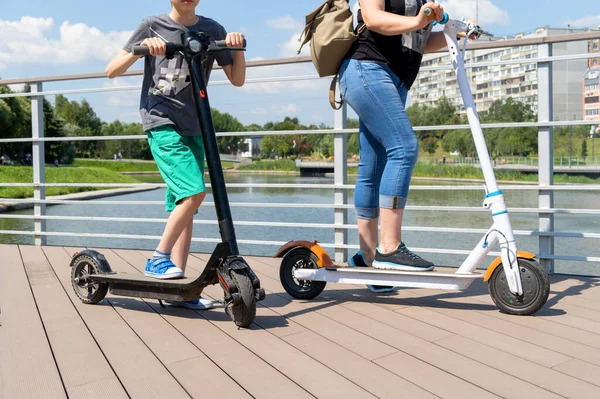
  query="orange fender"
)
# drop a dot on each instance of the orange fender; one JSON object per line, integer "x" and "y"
{"x": 498, "y": 261}
{"x": 313, "y": 246}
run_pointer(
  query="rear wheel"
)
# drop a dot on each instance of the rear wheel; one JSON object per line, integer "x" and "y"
{"x": 300, "y": 258}
{"x": 243, "y": 309}
{"x": 87, "y": 291}
{"x": 536, "y": 288}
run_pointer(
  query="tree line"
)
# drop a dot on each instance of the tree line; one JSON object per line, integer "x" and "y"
{"x": 69, "y": 118}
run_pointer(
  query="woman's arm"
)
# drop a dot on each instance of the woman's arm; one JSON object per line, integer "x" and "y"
{"x": 389, "y": 24}
{"x": 437, "y": 41}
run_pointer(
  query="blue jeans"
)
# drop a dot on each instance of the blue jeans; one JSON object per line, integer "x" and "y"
{"x": 387, "y": 142}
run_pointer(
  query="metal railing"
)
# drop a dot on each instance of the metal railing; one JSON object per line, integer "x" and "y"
{"x": 545, "y": 188}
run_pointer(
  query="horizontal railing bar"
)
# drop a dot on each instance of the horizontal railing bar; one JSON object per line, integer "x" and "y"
{"x": 309, "y": 132}
{"x": 481, "y": 45}
{"x": 309, "y": 206}
{"x": 516, "y": 187}
{"x": 302, "y": 225}
{"x": 279, "y": 243}
{"x": 139, "y": 87}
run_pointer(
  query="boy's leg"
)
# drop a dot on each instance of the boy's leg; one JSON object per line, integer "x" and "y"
{"x": 181, "y": 250}
{"x": 180, "y": 161}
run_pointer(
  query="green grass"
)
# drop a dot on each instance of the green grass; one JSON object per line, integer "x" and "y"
{"x": 127, "y": 166}
{"x": 117, "y": 166}
{"x": 24, "y": 174}
{"x": 288, "y": 165}
{"x": 469, "y": 172}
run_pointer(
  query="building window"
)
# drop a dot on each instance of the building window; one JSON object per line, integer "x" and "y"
{"x": 591, "y": 112}
{"x": 591, "y": 100}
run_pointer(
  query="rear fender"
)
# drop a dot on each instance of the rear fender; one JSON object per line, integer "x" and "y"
{"x": 323, "y": 258}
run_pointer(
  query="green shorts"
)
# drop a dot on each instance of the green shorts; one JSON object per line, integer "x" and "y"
{"x": 180, "y": 161}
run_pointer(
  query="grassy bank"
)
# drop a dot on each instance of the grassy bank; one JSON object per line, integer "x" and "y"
{"x": 117, "y": 166}
{"x": 126, "y": 166}
{"x": 284, "y": 165}
{"x": 24, "y": 174}
{"x": 432, "y": 171}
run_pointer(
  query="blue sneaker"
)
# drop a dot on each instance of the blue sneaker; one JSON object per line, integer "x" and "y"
{"x": 198, "y": 304}
{"x": 162, "y": 268}
{"x": 358, "y": 260}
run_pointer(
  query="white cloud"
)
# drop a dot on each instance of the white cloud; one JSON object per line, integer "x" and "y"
{"x": 123, "y": 99}
{"x": 489, "y": 13}
{"x": 291, "y": 47}
{"x": 590, "y": 21}
{"x": 26, "y": 42}
{"x": 286, "y": 109}
{"x": 287, "y": 23}
{"x": 17, "y": 88}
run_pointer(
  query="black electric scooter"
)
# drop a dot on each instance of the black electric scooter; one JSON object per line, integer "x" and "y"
{"x": 91, "y": 275}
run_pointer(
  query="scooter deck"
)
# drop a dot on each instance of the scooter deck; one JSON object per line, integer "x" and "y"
{"x": 438, "y": 278}
{"x": 140, "y": 279}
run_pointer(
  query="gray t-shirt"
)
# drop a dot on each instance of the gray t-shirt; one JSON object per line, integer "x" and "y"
{"x": 167, "y": 93}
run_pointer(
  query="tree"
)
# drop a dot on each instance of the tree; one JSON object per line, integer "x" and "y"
{"x": 584, "y": 150}
{"x": 430, "y": 144}
{"x": 14, "y": 121}
{"x": 80, "y": 120}
{"x": 63, "y": 151}
{"x": 224, "y": 122}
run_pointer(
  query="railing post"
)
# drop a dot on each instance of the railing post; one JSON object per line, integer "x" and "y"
{"x": 39, "y": 192}
{"x": 546, "y": 151}
{"x": 340, "y": 152}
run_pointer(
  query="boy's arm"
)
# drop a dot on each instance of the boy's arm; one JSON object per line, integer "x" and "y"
{"x": 236, "y": 72}
{"x": 120, "y": 64}
{"x": 124, "y": 59}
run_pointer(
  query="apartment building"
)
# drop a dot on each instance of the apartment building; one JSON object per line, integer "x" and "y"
{"x": 519, "y": 81}
{"x": 591, "y": 96}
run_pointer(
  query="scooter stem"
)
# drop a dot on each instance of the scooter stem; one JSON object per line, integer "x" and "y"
{"x": 494, "y": 200}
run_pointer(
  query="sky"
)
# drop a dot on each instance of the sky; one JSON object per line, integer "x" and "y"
{"x": 59, "y": 37}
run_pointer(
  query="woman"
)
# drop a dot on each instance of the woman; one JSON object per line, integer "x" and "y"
{"x": 375, "y": 77}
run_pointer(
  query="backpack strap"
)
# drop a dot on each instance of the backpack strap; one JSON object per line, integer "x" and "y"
{"x": 332, "y": 101}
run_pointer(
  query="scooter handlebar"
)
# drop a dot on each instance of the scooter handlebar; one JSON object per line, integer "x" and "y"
{"x": 218, "y": 45}
{"x": 429, "y": 13}
{"x": 140, "y": 50}
{"x": 223, "y": 43}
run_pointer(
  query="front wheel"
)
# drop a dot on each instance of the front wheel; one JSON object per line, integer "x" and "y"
{"x": 300, "y": 258}
{"x": 536, "y": 288}
{"x": 243, "y": 309}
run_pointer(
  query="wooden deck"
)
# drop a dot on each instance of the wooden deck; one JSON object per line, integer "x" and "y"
{"x": 348, "y": 343}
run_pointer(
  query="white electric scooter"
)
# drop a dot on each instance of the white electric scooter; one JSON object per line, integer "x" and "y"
{"x": 520, "y": 286}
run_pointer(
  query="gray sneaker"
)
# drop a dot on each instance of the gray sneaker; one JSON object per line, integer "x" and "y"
{"x": 401, "y": 259}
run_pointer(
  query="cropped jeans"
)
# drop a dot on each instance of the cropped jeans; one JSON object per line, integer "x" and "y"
{"x": 387, "y": 142}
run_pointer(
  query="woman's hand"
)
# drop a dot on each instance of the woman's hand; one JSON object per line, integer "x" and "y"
{"x": 461, "y": 35}
{"x": 424, "y": 20}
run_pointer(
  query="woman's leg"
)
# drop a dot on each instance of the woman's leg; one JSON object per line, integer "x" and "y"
{"x": 377, "y": 96}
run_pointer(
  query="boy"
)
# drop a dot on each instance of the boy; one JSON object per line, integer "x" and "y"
{"x": 169, "y": 118}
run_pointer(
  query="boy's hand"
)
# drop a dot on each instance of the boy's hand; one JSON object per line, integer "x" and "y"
{"x": 235, "y": 39}
{"x": 155, "y": 45}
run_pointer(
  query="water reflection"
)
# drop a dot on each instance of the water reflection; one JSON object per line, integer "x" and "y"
{"x": 444, "y": 240}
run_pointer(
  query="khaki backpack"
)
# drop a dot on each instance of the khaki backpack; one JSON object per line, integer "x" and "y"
{"x": 330, "y": 31}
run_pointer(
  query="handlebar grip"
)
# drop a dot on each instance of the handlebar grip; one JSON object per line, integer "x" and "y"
{"x": 223, "y": 43}
{"x": 443, "y": 21}
{"x": 140, "y": 50}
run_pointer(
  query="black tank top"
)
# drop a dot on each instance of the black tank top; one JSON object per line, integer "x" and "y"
{"x": 402, "y": 53}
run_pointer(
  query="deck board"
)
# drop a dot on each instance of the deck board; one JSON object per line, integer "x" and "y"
{"x": 24, "y": 346}
{"x": 74, "y": 348}
{"x": 348, "y": 342}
